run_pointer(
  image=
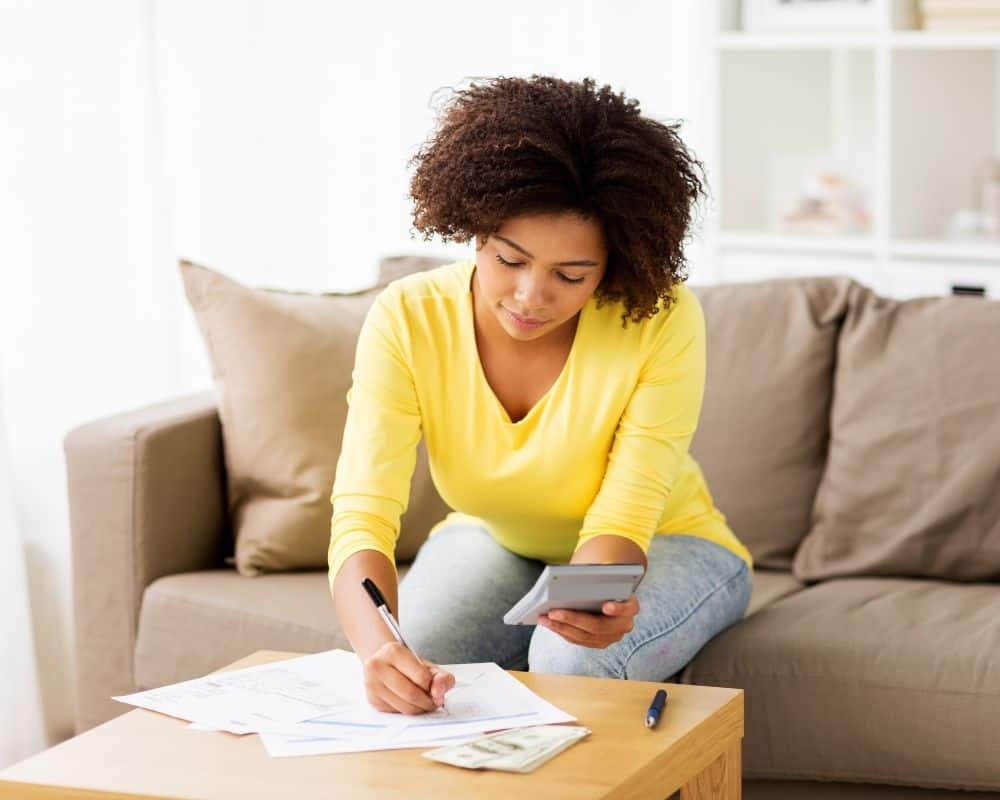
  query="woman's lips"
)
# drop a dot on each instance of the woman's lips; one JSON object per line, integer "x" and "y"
{"x": 523, "y": 322}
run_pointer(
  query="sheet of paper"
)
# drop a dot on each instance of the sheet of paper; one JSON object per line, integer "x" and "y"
{"x": 317, "y": 704}
{"x": 266, "y": 695}
{"x": 485, "y": 698}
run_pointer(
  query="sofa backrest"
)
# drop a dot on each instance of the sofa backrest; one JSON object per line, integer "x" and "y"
{"x": 764, "y": 428}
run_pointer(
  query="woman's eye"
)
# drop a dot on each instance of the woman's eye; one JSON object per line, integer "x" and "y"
{"x": 500, "y": 258}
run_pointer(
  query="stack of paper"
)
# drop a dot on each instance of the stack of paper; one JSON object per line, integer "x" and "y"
{"x": 317, "y": 704}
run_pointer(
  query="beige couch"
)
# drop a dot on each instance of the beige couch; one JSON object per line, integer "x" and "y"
{"x": 870, "y": 655}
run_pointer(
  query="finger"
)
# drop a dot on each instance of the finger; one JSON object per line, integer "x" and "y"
{"x": 404, "y": 691}
{"x": 446, "y": 678}
{"x": 383, "y": 699}
{"x": 588, "y": 623}
{"x": 416, "y": 669}
{"x": 437, "y": 691}
{"x": 380, "y": 705}
{"x": 435, "y": 670}
{"x": 600, "y": 631}
{"x": 441, "y": 683}
{"x": 614, "y": 608}
{"x": 399, "y": 706}
{"x": 572, "y": 634}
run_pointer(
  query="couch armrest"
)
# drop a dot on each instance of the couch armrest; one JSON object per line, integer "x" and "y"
{"x": 146, "y": 499}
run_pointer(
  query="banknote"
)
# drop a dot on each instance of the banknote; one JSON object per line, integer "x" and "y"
{"x": 514, "y": 750}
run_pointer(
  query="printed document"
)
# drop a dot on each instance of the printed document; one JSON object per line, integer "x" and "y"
{"x": 317, "y": 704}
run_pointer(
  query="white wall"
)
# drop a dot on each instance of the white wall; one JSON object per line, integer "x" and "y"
{"x": 289, "y": 126}
{"x": 265, "y": 139}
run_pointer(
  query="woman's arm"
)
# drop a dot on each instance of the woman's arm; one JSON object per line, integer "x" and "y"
{"x": 609, "y": 549}
{"x": 654, "y": 432}
{"x": 359, "y": 619}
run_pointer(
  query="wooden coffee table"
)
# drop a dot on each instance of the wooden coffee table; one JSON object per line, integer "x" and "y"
{"x": 695, "y": 748}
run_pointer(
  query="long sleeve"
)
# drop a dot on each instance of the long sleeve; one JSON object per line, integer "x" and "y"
{"x": 654, "y": 432}
{"x": 378, "y": 455}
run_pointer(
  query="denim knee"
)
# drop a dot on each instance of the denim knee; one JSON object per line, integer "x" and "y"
{"x": 655, "y": 649}
{"x": 550, "y": 652}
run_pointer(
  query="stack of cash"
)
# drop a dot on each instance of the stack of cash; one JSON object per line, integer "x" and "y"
{"x": 515, "y": 750}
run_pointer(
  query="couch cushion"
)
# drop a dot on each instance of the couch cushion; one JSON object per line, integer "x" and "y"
{"x": 821, "y": 790}
{"x": 912, "y": 483}
{"x": 890, "y": 680}
{"x": 230, "y": 616}
{"x": 769, "y": 586}
{"x": 282, "y": 365}
{"x": 196, "y": 622}
{"x": 762, "y": 436}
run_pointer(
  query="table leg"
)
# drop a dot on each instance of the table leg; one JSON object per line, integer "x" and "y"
{"x": 720, "y": 780}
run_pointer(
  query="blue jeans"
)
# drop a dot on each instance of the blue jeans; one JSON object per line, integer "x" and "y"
{"x": 462, "y": 582}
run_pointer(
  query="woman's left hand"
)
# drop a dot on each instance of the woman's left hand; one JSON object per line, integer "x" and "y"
{"x": 590, "y": 629}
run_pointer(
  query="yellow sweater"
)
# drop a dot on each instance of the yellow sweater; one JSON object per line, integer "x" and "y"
{"x": 604, "y": 451}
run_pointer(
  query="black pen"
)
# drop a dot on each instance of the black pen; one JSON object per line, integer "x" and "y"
{"x": 383, "y": 609}
{"x": 653, "y": 715}
{"x": 390, "y": 621}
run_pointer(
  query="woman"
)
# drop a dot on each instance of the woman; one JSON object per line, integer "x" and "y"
{"x": 557, "y": 379}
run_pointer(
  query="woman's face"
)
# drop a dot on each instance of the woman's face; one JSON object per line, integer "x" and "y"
{"x": 554, "y": 262}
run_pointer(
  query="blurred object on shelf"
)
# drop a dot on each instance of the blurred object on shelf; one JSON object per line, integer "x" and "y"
{"x": 813, "y": 193}
{"x": 967, "y": 224}
{"x": 989, "y": 195}
{"x": 820, "y": 16}
{"x": 960, "y": 15}
{"x": 970, "y": 225}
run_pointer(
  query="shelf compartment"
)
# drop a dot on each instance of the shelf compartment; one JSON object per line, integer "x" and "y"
{"x": 738, "y": 40}
{"x": 947, "y": 250}
{"x": 760, "y": 240}
{"x": 905, "y": 279}
{"x": 943, "y": 131}
{"x": 756, "y": 265}
{"x": 818, "y": 102}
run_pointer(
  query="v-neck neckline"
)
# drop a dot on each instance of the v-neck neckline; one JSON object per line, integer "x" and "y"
{"x": 481, "y": 372}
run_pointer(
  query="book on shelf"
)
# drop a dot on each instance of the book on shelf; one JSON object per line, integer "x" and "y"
{"x": 970, "y": 24}
{"x": 951, "y": 7}
{"x": 966, "y": 16}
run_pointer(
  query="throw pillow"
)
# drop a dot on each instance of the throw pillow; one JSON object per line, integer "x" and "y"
{"x": 912, "y": 483}
{"x": 282, "y": 364}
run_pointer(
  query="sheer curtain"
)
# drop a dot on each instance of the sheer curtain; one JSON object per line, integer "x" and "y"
{"x": 20, "y": 706}
{"x": 265, "y": 138}
{"x": 86, "y": 322}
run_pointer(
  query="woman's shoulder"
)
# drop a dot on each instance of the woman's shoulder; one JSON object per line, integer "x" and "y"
{"x": 681, "y": 316}
{"x": 411, "y": 292}
{"x": 442, "y": 279}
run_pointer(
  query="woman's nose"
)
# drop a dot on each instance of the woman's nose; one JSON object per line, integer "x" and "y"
{"x": 530, "y": 294}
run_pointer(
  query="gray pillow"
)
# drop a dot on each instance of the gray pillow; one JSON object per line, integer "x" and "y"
{"x": 912, "y": 483}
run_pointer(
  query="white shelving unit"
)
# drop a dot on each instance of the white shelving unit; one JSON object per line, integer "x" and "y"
{"x": 913, "y": 115}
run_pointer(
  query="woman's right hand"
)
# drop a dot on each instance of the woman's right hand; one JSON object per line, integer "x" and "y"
{"x": 396, "y": 681}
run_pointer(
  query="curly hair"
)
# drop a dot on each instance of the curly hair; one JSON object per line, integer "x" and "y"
{"x": 509, "y": 146}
